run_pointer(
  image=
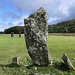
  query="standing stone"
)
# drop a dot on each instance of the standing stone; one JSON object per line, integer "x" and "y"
{"x": 67, "y": 62}
{"x": 36, "y": 33}
{"x": 19, "y": 34}
{"x": 12, "y": 34}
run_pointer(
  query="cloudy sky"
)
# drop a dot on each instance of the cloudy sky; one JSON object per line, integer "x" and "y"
{"x": 13, "y": 12}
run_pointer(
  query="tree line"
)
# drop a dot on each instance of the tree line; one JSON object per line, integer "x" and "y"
{"x": 15, "y": 29}
{"x": 62, "y": 27}
{"x": 1, "y": 32}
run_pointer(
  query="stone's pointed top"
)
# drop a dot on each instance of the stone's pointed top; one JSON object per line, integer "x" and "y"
{"x": 41, "y": 9}
{"x": 40, "y": 13}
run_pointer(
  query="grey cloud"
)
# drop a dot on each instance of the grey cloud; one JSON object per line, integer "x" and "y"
{"x": 51, "y": 6}
{"x": 72, "y": 11}
{"x": 30, "y": 5}
{"x": 72, "y": 7}
{"x": 71, "y": 14}
{"x": 63, "y": 17}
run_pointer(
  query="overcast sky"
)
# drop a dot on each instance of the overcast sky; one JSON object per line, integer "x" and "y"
{"x": 13, "y": 12}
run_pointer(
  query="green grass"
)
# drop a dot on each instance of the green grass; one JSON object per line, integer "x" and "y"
{"x": 15, "y": 46}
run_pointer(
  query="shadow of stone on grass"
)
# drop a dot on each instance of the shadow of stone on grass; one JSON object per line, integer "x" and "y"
{"x": 62, "y": 67}
{"x": 34, "y": 65}
{"x": 10, "y": 65}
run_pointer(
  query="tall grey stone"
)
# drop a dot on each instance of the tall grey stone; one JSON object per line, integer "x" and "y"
{"x": 36, "y": 33}
{"x": 12, "y": 34}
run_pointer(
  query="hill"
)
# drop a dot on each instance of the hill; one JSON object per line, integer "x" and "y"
{"x": 15, "y": 29}
{"x": 1, "y": 32}
{"x": 63, "y": 27}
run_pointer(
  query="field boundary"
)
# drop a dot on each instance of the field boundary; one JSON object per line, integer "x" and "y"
{"x": 62, "y": 34}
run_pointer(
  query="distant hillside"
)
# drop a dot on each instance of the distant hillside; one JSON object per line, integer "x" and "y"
{"x": 63, "y": 27}
{"x": 1, "y": 32}
{"x": 15, "y": 29}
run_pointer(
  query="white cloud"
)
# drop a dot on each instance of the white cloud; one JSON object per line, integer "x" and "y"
{"x": 19, "y": 22}
{"x": 1, "y": 29}
{"x": 64, "y": 6}
{"x": 51, "y": 19}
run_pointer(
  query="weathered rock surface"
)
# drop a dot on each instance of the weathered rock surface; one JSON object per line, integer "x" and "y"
{"x": 12, "y": 34}
{"x": 36, "y": 33}
{"x": 16, "y": 60}
{"x": 19, "y": 34}
{"x": 67, "y": 62}
{"x": 34, "y": 68}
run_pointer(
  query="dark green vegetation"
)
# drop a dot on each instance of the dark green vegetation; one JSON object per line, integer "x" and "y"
{"x": 15, "y": 29}
{"x": 1, "y": 32}
{"x": 15, "y": 46}
{"x": 63, "y": 27}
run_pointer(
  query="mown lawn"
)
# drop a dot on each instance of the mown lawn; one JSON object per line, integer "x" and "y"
{"x": 15, "y": 46}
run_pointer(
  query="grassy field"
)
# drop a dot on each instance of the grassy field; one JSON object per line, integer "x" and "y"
{"x": 11, "y": 47}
